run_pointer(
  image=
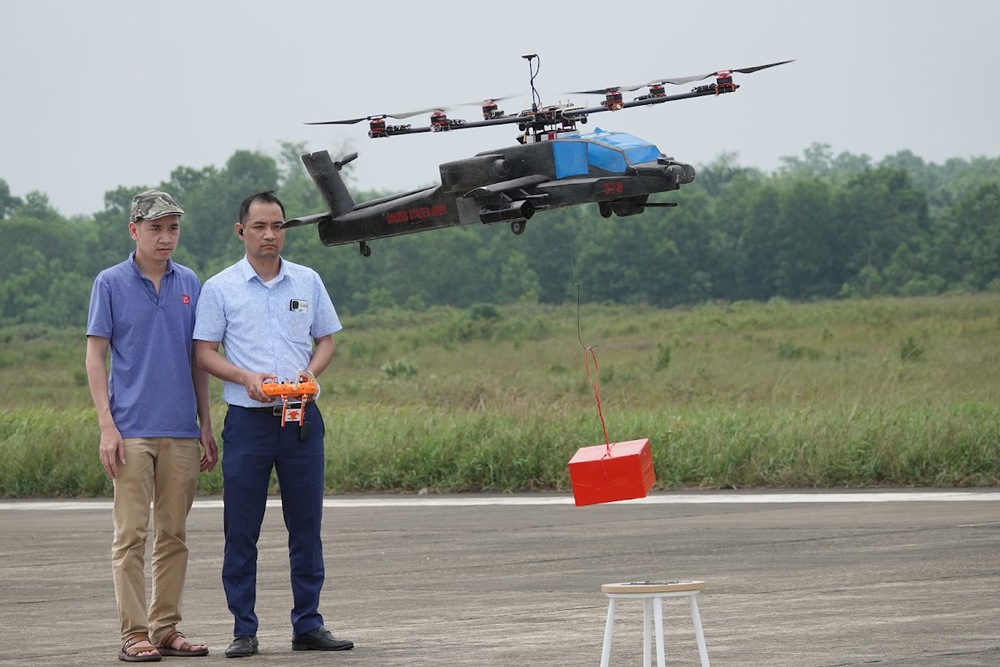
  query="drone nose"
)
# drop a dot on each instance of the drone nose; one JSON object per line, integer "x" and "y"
{"x": 680, "y": 173}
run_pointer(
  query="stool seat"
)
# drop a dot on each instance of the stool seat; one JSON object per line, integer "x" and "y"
{"x": 637, "y": 587}
{"x": 652, "y": 593}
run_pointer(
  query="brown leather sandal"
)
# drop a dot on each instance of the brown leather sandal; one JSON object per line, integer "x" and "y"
{"x": 131, "y": 652}
{"x": 186, "y": 650}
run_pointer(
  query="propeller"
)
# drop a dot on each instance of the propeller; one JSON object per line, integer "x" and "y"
{"x": 679, "y": 81}
{"x": 608, "y": 89}
{"x": 484, "y": 103}
{"x": 485, "y": 100}
{"x": 397, "y": 116}
{"x": 613, "y": 98}
{"x": 488, "y": 105}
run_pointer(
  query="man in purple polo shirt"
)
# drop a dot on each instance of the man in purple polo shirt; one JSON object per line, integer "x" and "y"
{"x": 153, "y": 410}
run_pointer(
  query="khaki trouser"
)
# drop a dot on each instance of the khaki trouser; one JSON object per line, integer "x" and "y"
{"x": 163, "y": 471}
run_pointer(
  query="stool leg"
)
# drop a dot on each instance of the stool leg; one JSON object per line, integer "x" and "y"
{"x": 609, "y": 628}
{"x": 698, "y": 633}
{"x": 647, "y": 639}
{"x": 661, "y": 659}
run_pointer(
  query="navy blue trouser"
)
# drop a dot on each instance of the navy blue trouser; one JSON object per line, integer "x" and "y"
{"x": 253, "y": 443}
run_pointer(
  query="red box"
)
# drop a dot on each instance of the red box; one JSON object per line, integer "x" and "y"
{"x": 600, "y": 475}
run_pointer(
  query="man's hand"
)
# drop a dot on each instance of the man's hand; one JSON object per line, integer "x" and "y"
{"x": 253, "y": 381}
{"x": 112, "y": 450}
{"x": 211, "y": 455}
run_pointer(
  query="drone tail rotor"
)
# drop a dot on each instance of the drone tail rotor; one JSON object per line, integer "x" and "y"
{"x": 326, "y": 174}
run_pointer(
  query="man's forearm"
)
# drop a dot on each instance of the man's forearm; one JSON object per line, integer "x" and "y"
{"x": 200, "y": 379}
{"x": 322, "y": 355}
{"x": 209, "y": 360}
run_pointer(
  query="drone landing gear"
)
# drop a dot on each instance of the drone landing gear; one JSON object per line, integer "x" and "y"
{"x": 605, "y": 208}
{"x": 518, "y": 226}
{"x": 364, "y": 249}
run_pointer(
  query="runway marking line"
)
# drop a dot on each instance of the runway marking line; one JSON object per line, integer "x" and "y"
{"x": 708, "y": 498}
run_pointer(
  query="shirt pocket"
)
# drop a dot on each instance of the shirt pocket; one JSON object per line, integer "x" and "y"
{"x": 297, "y": 325}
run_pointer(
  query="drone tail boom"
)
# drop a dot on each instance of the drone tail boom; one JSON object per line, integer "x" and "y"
{"x": 326, "y": 174}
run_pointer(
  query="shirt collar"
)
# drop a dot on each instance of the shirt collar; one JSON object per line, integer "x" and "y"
{"x": 249, "y": 273}
{"x": 135, "y": 267}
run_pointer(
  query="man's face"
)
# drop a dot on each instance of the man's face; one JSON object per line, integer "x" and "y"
{"x": 262, "y": 232}
{"x": 156, "y": 239}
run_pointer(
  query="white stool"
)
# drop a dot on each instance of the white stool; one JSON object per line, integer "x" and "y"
{"x": 652, "y": 593}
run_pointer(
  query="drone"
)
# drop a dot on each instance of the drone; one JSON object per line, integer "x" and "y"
{"x": 552, "y": 165}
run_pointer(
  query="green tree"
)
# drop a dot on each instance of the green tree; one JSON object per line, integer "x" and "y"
{"x": 551, "y": 244}
{"x": 40, "y": 278}
{"x": 976, "y": 217}
{"x": 36, "y": 205}
{"x": 8, "y": 202}
{"x": 809, "y": 253}
{"x": 518, "y": 281}
{"x": 687, "y": 251}
{"x": 211, "y": 202}
{"x": 715, "y": 176}
{"x": 819, "y": 161}
{"x": 112, "y": 242}
{"x": 879, "y": 211}
{"x": 752, "y": 216}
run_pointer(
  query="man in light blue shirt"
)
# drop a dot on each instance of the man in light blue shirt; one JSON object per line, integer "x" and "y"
{"x": 275, "y": 321}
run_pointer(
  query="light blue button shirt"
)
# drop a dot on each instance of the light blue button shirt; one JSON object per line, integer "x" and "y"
{"x": 265, "y": 329}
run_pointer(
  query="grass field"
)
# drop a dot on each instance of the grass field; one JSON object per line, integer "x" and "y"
{"x": 850, "y": 393}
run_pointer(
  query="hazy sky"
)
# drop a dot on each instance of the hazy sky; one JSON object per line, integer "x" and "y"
{"x": 105, "y": 93}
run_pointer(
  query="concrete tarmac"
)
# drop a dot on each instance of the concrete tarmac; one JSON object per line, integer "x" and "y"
{"x": 813, "y": 580}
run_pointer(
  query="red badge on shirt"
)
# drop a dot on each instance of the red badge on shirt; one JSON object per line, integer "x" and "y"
{"x": 185, "y": 299}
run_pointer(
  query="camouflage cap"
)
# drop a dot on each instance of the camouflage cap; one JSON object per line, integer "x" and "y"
{"x": 153, "y": 204}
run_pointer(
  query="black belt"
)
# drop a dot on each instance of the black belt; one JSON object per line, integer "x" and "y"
{"x": 274, "y": 410}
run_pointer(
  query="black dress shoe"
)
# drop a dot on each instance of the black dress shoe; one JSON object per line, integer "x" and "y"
{"x": 320, "y": 639}
{"x": 242, "y": 647}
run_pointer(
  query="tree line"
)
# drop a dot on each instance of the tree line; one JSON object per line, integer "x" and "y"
{"x": 821, "y": 226}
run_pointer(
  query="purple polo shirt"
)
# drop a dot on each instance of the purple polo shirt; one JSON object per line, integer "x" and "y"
{"x": 150, "y": 384}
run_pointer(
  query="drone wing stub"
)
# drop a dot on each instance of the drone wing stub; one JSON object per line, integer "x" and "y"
{"x": 503, "y": 187}
{"x": 509, "y": 201}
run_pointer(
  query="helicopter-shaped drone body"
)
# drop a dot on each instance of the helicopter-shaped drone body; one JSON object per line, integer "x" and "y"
{"x": 553, "y": 165}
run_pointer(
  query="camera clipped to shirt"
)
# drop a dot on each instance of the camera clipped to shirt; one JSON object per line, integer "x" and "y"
{"x": 298, "y": 306}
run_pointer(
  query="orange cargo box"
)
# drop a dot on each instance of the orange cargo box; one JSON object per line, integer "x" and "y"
{"x": 600, "y": 474}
